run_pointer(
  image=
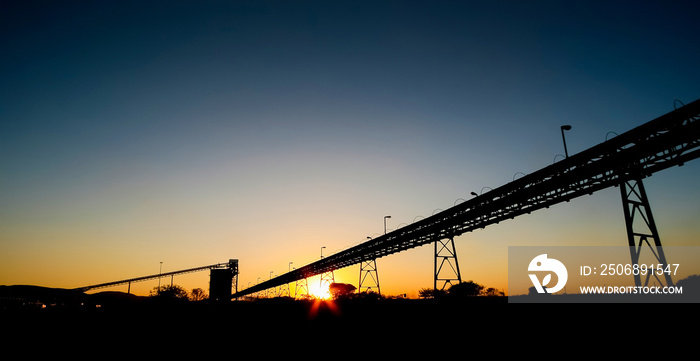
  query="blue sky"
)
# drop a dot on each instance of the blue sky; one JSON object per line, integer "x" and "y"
{"x": 176, "y": 132}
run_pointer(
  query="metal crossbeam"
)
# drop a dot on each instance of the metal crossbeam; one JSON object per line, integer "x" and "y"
{"x": 667, "y": 141}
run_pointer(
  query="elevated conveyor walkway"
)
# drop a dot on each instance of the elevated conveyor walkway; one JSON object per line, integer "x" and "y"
{"x": 669, "y": 140}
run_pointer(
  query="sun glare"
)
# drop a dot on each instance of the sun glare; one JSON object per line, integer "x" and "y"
{"x": 320, "y": 291}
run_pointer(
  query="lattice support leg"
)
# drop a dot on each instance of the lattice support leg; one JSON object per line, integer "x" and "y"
{"x": 327, "y": 279}
{"x": 284, "y": 290}
{"x": 301, "y": 288}
{"x": 369, "y": 278}
{"x": 641, "y": 229}
{"x": 446, "y": 265}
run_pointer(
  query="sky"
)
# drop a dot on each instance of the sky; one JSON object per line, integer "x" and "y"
{"x": 192, "y": 133}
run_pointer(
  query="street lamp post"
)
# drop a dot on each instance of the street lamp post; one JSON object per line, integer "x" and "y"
{"x": 322, "y": 251}
{"x": 563, "y": 128}
{"x": 385, "y": 217}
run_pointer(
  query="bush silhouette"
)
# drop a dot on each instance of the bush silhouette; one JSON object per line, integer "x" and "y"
{"x": 466, "y": 289}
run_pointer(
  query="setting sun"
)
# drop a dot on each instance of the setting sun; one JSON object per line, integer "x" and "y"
{"x": 319, "y": 291}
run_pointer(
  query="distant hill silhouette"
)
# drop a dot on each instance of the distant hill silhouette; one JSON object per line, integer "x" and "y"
{"x": 28, "y": 296}
{"x": 38, "y": 294}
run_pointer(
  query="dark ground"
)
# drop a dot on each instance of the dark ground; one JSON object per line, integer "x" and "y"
{"x": 118, "y": 308}
{"x": 396, "y": 328}
{"x": 128, "y": 318}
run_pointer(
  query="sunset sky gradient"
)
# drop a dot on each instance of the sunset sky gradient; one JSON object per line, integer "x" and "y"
{"x": 189, "y": 133}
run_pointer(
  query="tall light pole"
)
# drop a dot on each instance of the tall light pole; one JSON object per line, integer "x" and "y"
{"x": 160, "y": 272}
{"x": 563, "y": 128}
{"x": 385, "y": 217}
{"x": 322, "y": 251}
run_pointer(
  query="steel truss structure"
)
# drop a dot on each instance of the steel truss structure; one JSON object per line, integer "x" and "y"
{"x": 284, "y": 291}
{"x": 669, "y": 140}
{"x": 641, "y": 228}
{"x": 446, "y": 266}
{"x": 369, "y": 277}
{"x": 301, "y": 288}
{"x": 231, "y": 265}
{"x": 327, "y": 278}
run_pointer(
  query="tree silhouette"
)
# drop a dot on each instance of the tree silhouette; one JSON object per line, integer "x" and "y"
{"x": 468, "y": 289}
{"x": 339, "y": 290}
{"x": 493, "y": 292}
{"x": 173, "y": 292}
{"x": 198, "y": 294}
{"x": 463, "y": 289}
{"x": 431, "y": 293}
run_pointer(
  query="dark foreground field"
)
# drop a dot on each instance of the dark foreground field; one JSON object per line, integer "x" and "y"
{"x": 138, "y": 327}
{"x": 255, "y": 314}
{"x": 118, "y": 317}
